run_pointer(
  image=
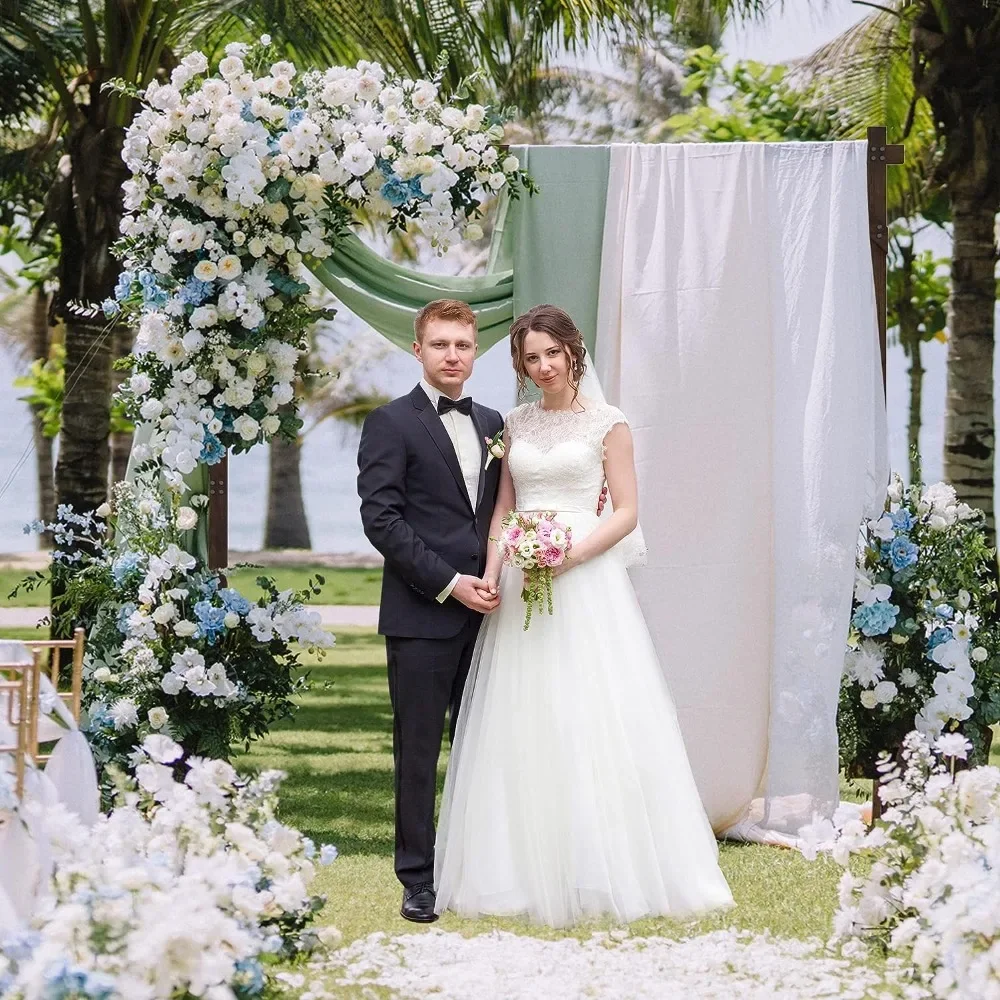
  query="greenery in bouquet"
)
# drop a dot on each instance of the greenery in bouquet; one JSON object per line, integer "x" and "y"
{"x": 242, "y": 174}
{"x": 924, "y": 645}
{"x": 170, "y": 650}
{"x": 187, "y": 888}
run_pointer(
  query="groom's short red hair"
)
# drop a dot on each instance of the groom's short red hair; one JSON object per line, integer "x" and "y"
{"x": 450, "y": 309}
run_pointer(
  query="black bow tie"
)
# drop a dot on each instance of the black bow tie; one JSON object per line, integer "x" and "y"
{"x": 463, "y": 405}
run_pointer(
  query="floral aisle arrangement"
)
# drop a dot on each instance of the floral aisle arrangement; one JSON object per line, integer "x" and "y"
{"x": 187, "y": 888}
{"x": 924, "y": 639}
{"x": 535, "y": 543}
{"x": 931, "y": 899}
{"x": 242, "y": 173}
{"x": 170, "y": 651}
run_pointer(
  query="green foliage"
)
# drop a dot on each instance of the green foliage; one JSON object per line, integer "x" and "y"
{"x": 45, "y": 383}
{"x": 752, "y": 102}
{"x": 917, "y": 291}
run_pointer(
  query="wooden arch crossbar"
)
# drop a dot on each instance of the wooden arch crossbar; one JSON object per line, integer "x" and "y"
{"x": 880, "y": 155}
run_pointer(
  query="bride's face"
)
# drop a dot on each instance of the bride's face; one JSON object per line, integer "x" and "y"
{"x": 546, "y": 361}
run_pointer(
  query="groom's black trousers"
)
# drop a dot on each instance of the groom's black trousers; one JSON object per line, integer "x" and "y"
{"x": 426, "y": 679}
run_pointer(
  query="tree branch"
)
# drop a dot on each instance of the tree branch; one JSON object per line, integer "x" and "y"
{"x": 877, "y": 6}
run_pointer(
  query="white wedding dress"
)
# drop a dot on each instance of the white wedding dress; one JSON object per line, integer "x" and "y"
{"x": 569, "y": 794}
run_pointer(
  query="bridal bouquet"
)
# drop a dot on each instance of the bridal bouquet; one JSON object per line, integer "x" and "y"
{"x": 923, "y": 645}
{"x": 535, "y": 543}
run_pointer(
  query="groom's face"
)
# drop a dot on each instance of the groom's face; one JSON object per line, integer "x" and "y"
{"x": 447, "y": 351}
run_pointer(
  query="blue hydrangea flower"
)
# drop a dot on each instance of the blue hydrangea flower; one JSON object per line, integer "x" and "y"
{"x": 295, "y": 116}
{"x": 395, "y": 191}
{"x": 936, "y": 637}
{"x": 194, "y": 291}
{"x": 902, "y": 519}
{"x": 249, "y": 977}
{"x": 124, "y": 613}
{"x": 415, "y": 189}
{"x": 211, "y": 620}
{"x": 246, "y": 112}
{"x": 233, "y": 600}
{"x": 127, "y": 564}
{"x": 944, "y": 611}
{"x": 212, "y": 450}
{"x": 875, "y": 619}
{"x": 902, "y": 552}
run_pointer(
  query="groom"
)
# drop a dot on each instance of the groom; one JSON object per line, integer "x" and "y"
{"x": 427, "y": 499}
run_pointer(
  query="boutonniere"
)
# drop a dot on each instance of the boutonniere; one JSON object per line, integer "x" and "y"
{"x": 494, "y": 448}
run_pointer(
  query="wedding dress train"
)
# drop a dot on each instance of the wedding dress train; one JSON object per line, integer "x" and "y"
{"x": 569, "y": 794}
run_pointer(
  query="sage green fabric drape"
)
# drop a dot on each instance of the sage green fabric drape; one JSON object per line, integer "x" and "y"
{"x": 546, "y": 248}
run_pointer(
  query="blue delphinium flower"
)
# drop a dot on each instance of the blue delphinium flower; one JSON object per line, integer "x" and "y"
{"x": 124, "y": 613}
{"x": 295, "y": 116}
{"x": 902, "y": 519}
{"x": 194, "y": 291}
{"x": 124, "y": 285}
{"x": 110, "y": 308}
{"x": 233, "y": 600}
{"x": 126, "y": 565}
{"x": 211, "y": 620}
{"x": 209, "y": 587}
{"x": 395, "y": 191}
{"x": 902, "y": 552}
{"x": 875, "y": 619}
{"x": 35, "y": 527}
{"x": 212, "y": 450}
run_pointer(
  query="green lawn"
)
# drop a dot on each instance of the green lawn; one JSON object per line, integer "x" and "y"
{"x": 342, "y": 586}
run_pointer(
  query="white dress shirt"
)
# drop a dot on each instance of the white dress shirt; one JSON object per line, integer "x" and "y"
{"x": 469, "y": 450}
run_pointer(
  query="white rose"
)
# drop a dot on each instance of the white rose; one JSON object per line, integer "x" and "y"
{"x": 884, "y": 692}
{"x": 964, "y": 599}
{"x": 979, "y": 654}
{"x": 510, "y": 164}
{"x": 473, "y": 231}
{"x": 104, "y": 510}
{"x": 257, "y": 247}
{"x": 158, "y": 717}
{"x": 151, "y": 409}
{"x": 172, "y": 684}
{"x": 936, "y": 522}
{"x": 868, "y": 699}
{"x": 231, "y": 620}
{"x": 186, "y": 518}
{"x": 271, "y": 424}
{"x": 185, "y": 628}
{"x": 246, "y": 427}
{"x": 101, "y": 674}
{"x": 206, "y": 270}
{"x": 230, "y": 267}
{"x": 165, "y": 613}
{"x": 140, "y": 384}
{"x": 256, "y": 364}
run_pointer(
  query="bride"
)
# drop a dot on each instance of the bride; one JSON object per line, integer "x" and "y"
{"x": 569, "y": 794}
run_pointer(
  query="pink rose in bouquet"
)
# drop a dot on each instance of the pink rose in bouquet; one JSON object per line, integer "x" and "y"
{"x": 535, "y": 543}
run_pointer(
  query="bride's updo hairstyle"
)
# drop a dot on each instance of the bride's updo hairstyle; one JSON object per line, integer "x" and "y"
{"x": 560, "y": 327}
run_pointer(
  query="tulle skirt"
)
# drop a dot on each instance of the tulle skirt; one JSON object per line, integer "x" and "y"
{"x": 569, "y": 794}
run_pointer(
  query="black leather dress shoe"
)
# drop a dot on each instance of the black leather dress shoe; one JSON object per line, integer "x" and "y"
{"x": 418, "y": 904}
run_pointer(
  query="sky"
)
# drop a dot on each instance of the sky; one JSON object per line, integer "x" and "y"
{"x": 797, "y": 28}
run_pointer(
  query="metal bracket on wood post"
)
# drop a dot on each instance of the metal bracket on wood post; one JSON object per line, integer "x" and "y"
{"x": 880, "y": 155}
{"x": 218, "y": 514}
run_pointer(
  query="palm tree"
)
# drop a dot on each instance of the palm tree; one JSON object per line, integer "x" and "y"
{"x": 942, "y": 57}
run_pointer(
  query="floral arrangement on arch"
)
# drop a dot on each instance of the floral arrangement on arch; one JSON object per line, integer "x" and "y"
{"x": 929, "y": 899}
{"x": 186, "y": 888}
{"x": 924, "y": 639}
{"x": 170, "y": 651}
{"x": 241, "y": 176}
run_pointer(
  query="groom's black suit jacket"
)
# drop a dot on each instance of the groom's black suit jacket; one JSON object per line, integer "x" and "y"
{"x": 416, "y": 511}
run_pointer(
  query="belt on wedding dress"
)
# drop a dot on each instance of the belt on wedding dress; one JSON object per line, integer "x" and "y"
{"x": 558, "y": 510}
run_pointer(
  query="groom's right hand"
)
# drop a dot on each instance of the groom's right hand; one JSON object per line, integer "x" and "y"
{"x": 474, "y": 594}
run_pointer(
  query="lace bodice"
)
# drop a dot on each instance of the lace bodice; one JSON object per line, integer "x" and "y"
{"x": 556, "y": 457}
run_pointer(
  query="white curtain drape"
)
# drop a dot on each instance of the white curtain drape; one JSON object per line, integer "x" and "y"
{"x": 737, "y": 330}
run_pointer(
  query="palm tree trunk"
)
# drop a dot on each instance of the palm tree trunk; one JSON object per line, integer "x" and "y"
{"x": 43, "y": 444}
{"x": 287, "y": 526}
{"x": 916, "y": 398}
{"x": 969, "y": 427}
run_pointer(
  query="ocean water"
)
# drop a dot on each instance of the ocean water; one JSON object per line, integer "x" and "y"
{"x": 329, "y": 451}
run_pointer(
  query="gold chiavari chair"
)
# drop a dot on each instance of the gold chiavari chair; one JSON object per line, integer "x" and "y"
{"x": 22, "y": 684}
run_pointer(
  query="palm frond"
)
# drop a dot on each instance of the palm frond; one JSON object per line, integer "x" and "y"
{"x": 865, "y": 73}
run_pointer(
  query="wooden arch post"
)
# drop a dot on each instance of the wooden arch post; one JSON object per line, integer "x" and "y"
{"x": 880, "y": 155}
